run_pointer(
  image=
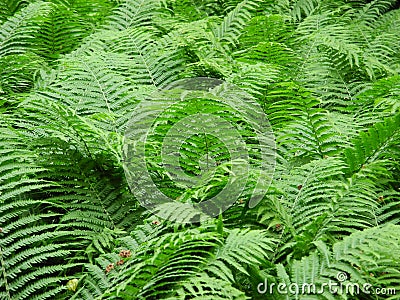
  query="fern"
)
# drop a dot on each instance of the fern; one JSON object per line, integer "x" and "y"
{"x": 18, "y": 32}
{"x": 355, "y": 256}
{"x": 373, "y": 144}
{"x": 185, "y": 246}
{"x": 61, "y": 32}
{"x": 8, "y": 8}
{"x": 132, "y": 13}
{"x": 18, "y": 72}
{"x": 153, "y": 63}
{"x": 90, "y": 89}
{"x": 24, "y": 252}
{"x": 229, "y": 29}
{"x": 73, "y": 73}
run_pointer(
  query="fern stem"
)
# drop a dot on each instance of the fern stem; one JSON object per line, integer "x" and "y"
{"x": 3, "y": 269}
{"x": 280, "y": 240}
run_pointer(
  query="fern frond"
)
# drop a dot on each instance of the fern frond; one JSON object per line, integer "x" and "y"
{"x": 307, "y": 130}
{"x": 184, "y": 259}
{"x": 229, "y": 29}
{"x": 242, "y": 248}
{"x": 19, "y": 31}
{"x": 152, "y": 63}
{"x": 60, "y": 32}
{"x": 88, "y": 88}
{"x": 264, "y": 29}
{"x": 370, "y": 12}
{"x": 360, "y": 250}
{"x": 353, "y": 259}
{"x": 373, "y": 144}
{"x": 18, "y": 72}
{"x": 205, "y": 287}
{"x": 132, "y": 13}
{"x": 10, "y": 7}
{"x": 25, "y": 258}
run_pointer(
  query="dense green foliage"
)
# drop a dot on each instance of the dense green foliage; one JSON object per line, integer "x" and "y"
{"x": 326, "y": 74}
